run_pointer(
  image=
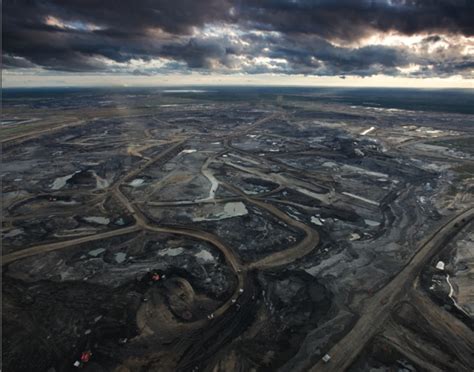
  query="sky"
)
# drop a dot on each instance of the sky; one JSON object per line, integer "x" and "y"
{"x": 392, "y": 43}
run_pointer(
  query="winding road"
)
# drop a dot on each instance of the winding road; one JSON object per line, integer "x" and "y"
{"x": 142, "y": 223}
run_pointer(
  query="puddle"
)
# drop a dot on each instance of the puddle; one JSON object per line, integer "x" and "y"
{"x": 329, "y": 164}
{"x": 60, "y": 182}
{"x": 98, "y": 220}
{"x": 232, "y": 209}
{"x": 120, "y": 221}
{"x": 171, "y": 252}
{"x": 137, "y": 182}
{"x": 96, "y": 252}
{"x": 120, "y": 257}
{"x": 64, "y": 202}
{"x": 316, "y": 221}
{"x": 205, "y": 256}
{"x": 372, "y": 223}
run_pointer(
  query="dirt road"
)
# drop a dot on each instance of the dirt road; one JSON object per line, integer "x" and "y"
{"x": 310, "y": 241}
{"x": 377, "y": 309}
{"x": 6, "y": 259}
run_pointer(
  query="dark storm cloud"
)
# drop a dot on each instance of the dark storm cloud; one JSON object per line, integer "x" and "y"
{"x": 350, "y": 20}
{"x": 9, "y": 62}
{"x": 308, "y": 54}
{"x": 121, "y": 28}
{"x": 303, "y": 36}
{"x": 177, "y": 16}
{"x": 196, "y": 53}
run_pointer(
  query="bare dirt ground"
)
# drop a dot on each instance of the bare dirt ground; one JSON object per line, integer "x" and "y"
{"x": 247, "y": 236}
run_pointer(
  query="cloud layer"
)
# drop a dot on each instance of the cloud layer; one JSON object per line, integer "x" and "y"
{"x": 422, "y": 38}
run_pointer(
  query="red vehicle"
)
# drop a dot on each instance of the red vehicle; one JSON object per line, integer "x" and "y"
{"x": 86, "y": 356}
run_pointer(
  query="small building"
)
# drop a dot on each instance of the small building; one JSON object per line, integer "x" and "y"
{"x": 326, "y": 358}
{"x": 440, "y": 265}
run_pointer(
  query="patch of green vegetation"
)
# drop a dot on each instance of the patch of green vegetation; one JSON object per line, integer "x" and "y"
{"x": 16, "y": 130}
{"x": 465, "y": 144}
{"x": 452, "y": 190}
{"x": 464, "y": 171}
